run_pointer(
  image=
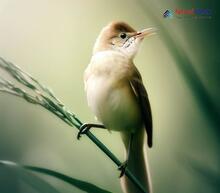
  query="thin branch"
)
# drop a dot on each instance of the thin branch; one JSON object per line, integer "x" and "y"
{"x": 36, "y": 93}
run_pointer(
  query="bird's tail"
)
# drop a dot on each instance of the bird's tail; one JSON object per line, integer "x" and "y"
{"x": 137, "y": 163}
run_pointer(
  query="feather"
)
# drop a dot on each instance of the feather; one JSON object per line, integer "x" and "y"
{"x": 142, "y": 97}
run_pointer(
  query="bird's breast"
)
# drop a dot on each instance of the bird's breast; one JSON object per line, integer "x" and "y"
{"x": 109, "y": 94}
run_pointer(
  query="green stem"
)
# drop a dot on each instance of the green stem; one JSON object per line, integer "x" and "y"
{"x": 107, "y": 152}
{"x": 45, "y": 98}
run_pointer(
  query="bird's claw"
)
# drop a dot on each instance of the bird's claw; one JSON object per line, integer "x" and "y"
{"x": 83, "y": 129}
{"x": 122, "y": 168}
{"x": 86, "y": 127}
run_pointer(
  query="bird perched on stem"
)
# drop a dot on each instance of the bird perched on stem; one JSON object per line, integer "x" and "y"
{"x": 118, "y": 98}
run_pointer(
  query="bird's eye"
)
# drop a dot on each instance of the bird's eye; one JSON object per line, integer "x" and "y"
{"x": 123, "y": 35}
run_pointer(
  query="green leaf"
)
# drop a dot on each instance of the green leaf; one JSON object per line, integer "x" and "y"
{"x": 32, "y": 180}
{"x": 44, "y": 187}
{"x": 85, "y": 186}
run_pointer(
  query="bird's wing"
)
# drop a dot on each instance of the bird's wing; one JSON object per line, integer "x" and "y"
{"x": 142, "y": 97}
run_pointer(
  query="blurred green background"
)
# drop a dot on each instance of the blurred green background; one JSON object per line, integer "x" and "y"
{"x": 53, "y": 40}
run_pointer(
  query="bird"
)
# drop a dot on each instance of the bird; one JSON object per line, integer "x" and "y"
{"x": 118, "y": 98}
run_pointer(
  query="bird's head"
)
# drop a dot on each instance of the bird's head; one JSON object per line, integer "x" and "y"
{"x": 120, "y": 36}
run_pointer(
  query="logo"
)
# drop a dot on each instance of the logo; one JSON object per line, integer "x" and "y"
{"x": 168, "y": 14}
{"x": 193, "y": 13}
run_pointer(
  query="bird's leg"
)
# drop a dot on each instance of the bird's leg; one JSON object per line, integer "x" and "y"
{"x": 123, "y": 166}
{"x": 84, "y": 128}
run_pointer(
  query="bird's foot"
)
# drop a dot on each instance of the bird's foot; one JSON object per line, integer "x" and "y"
{"x": 86, "y": 127}
{"x": 122, "y": 168}
{"x": 83, "y": 129}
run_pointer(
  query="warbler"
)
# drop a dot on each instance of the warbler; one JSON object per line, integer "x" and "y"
{"x": 117, "y": 97}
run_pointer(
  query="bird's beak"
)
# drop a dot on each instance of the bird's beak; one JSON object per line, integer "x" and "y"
{"x": 146, "y": 32}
